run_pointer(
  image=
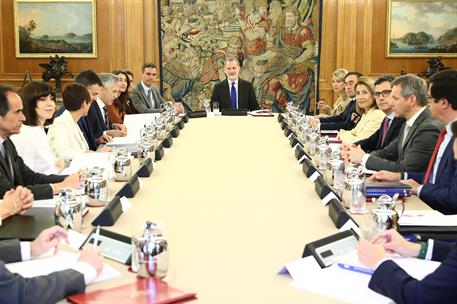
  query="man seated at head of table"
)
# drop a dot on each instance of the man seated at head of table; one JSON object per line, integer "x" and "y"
{"x": 47, "y": 288}
{"x": 391, "y": 125}
{"x": 13, "y": 171}
{"x": 366, "y": 106}
{"x": 392, "y": 281}
{"x": 349, "y": 118}
{"x": 437, "y": 186}
{"x": 145, "y": 97}
{"x": 413, "y": 147}
{"x": 233, "y": 92}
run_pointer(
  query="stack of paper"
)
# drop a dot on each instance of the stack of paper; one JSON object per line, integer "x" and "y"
{"x": 427, "y": 218}
{"x": 61, "y": 261}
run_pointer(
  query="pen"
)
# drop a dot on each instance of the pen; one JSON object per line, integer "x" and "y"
{"x": 355, "y": 268}
{"x": 97, "y": 234}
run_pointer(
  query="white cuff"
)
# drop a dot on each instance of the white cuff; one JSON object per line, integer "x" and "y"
{"x": 405, "y": 175}
{"x": 418, "y": 191}
{"x": 25, "y": 251}
{"x": 428, "y": 255}
{"x": 364, "y": 160}
{"x": 89, "y": 272}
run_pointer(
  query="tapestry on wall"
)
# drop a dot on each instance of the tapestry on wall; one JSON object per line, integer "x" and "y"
{"x": 275, "y": 42}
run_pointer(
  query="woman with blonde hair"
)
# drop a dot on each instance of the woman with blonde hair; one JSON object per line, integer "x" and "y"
{"x": 366, "y": 105}
{"x": 340, "y": 104}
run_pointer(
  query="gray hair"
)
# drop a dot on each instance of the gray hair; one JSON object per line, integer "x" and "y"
{"x": 231, "y": 59}
{"x": 412, "y": 85}
{"x": 108, "y": 79}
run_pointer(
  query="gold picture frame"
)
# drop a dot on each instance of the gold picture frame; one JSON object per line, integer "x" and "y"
{"x": 413, "y": 30}
{"x": 45, "y": 28}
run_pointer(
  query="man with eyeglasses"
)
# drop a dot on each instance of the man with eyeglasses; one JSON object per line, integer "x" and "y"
{"x": 437, "y": 185}
{"x": 413, "y": 148}
{"x": 391, "y": 125}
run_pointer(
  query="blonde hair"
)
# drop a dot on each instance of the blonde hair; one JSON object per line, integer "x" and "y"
{"x": 340, "y": 74}
{"x": 369, "y": 83}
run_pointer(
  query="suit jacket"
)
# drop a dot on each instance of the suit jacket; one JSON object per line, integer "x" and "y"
{"x": 415, "y": 154}
{"x": 343, "y": 121}
{"x": 43, "y": 289}
{"x": 85, "y": 128}
{"x": 438, "y": 287}
{"x": 374, "y": 142}
{"x": 65, "y": 138}
{"x": 246, "y": 95}
{"x": 95, "y": 120}
{"x": 139, "y": 99}
{"x": 441, "y": 195}
{"x": 24, "y": 176}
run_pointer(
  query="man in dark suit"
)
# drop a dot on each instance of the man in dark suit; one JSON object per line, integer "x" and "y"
{"x": 239, "y": 94}
{"x": 414, "y": 146}
{"x": 48, "y": 288}
{"x": 392, "y": 281}
{"x": 349, "y": 118}
{"x": 391, "y": 125}
{"x": 145, "y": 96}
{"x": 13, "y": 171}
{"x": 437, "y": 186}
{"x": 97, "y": 117}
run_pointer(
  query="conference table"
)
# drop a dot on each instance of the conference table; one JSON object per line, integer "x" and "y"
{"x": 235, "y": 207}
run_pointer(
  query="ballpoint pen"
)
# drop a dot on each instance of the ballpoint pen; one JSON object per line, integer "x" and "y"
{"x": 356, "y": 268}
{"x": 97, "y": 234}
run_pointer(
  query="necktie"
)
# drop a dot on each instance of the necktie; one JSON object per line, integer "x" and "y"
{"x": 385, "y": 130}
{"x": 233, "y": 95}
{"x": 105, "y": 114}
{"x": 150, "y": 100}
{"x": 405, "y": 134}
{"x": 7, "y": 160}
{"x": 435, "y": 152}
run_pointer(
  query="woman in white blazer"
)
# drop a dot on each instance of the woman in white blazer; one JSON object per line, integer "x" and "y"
{"x": 64, "y": 136}
{"x": 371, "y": 116}
{"x": 38, "y": 99}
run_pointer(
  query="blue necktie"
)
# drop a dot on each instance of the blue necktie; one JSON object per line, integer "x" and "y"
{"x": 233, "y": 95}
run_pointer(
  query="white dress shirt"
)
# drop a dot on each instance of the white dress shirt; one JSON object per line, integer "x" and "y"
{"x": 146, "y": 90}
{"x": 102, "y": 106}
{"x": 32, "y": 145}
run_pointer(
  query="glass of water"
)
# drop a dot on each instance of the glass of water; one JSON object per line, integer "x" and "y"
{"x": 216, "y": 107}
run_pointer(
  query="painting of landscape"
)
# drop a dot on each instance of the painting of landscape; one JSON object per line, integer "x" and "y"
{"x": 421, "y": 28}
{"x": 46, "y": 28}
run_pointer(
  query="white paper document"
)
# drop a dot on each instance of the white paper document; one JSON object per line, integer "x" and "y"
{"x": 427, "y": 218}
{"x": 75, "y": 239}
{"x": 335, "y": 282}
{"x": 299, "y": 268}
{"x": 89, "y": 160}
{"x": 63, "y": 260}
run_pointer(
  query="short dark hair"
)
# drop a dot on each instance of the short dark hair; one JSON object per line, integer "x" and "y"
{"x": 88, "y": 78}
{"x": 444, "y": 85}
{"x": 358, "y": 74}
{"x": 4, "y": 103}
{"x": 30, "y": 94}
{"x": 384, "y": 78}
{"x": 412, "y": 85}
{"x": 148, "y": 65}
{"x": 74, "y": 95}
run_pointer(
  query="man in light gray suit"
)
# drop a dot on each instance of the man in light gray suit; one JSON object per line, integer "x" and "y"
{"x": 412, "y": 149}
{"x": 145, "y": 96}
{"x": 48, "y": 288}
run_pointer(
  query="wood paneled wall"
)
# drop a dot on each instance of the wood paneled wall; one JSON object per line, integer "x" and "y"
{"x": 354, "y": 37}
{"x": 127, "y": 34}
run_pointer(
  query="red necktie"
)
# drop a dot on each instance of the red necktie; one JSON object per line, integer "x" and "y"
{"x": 435, "y": 152}
{"x": 385, "y": 130}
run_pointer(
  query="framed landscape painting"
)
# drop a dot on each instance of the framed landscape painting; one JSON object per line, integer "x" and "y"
{"x": 55, "y": 27}
{"x": 421, "y": 28}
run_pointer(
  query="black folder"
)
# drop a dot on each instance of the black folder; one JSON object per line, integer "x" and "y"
{"x": 25, "y": 228}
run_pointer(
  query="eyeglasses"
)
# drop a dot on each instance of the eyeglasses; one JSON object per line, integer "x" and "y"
{"x": 384, "y": 93}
